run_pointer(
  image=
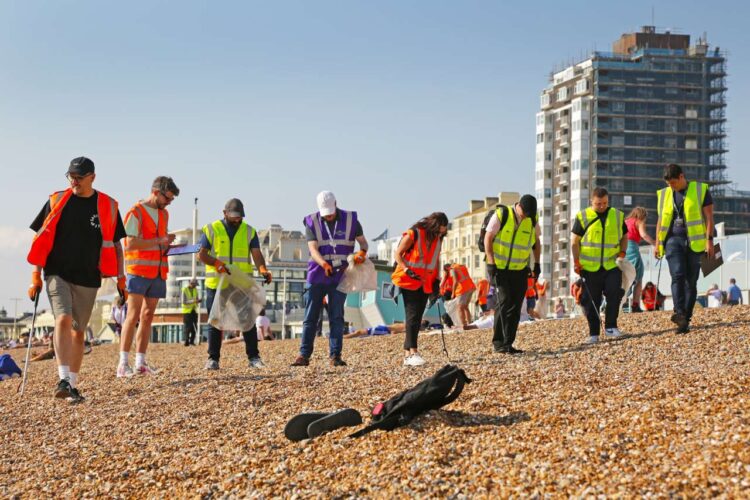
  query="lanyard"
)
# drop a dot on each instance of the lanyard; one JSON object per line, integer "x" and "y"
{"x": 679, "y": 209}
{"x": 331, "y": 235}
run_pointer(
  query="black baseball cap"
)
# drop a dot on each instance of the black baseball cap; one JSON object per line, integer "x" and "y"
{"x": 81, "y": 166}
{"x": 234, "y": 208}
{"x": 528, "y": 205}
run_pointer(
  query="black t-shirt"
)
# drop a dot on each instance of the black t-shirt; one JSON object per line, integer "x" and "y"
{"x": 78, "y": 241}
{"x": 678, "y": 212}
{"x": 310, "y": 234}
{"x": 578, "y": 229}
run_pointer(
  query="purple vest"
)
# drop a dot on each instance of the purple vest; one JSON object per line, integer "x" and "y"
{"x": 333, "y": 247}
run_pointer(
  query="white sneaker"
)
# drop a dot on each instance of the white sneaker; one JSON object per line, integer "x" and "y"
{"x": 146, "y": 369}
{"x": 592, "y": 340}
{"x": 256, "y": 363}
{"x": 613, "y": 333}
{"x": 414, "y": 359}
{"x": 124, "y": 371}
{"x": 212, "y": 364}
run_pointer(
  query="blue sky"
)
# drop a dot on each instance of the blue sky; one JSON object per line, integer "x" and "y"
{"x": 400, "y": 108}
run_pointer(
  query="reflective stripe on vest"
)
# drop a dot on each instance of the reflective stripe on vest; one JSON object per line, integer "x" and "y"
{"x": 600, "y": 245}
{"x": 237, "y": 251}
{"x": 693, "y": 210}
{"x": 44, "y": 240}
{"x": 513, "y": 243}
{"x": 149, "y": 262}
{"x": 423, "y": 261}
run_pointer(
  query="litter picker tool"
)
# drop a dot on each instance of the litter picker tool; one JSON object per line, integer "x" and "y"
{"x": 658, "y": 277}
{"x": 442, "y": 332}
{"x": 593, "y": 304}
{"x": 28, "y": 347}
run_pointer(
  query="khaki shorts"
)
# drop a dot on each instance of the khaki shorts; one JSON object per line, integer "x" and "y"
{"x": 70, "y": 299}
{"x": 465, "y": 298}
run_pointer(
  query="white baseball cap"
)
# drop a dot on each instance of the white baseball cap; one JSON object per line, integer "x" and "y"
{"x": 326, "y": 203}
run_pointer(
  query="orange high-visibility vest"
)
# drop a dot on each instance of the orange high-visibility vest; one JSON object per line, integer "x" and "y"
{"x": 44, "y": 240}
{"x": 530, "y": 288}
{"x": 648, "y": 297}
{"x": 447, "y": 285}
{"x": 464, "y": 282}
{"x": 483, "y": 288}
{"x": 541, "y": 288}
{"x": 420, "y": 259}
{"x": 147, "y": 262}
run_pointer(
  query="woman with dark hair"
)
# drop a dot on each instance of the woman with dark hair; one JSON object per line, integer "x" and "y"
{"x": 417, "y": 275}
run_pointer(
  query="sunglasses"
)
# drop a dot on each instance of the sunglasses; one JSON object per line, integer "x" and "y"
{"x": 75, "y": 178}
{"x": 168, "y": 198}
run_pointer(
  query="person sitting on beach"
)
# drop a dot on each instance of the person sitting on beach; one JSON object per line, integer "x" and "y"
{"x": 487, "y": 320}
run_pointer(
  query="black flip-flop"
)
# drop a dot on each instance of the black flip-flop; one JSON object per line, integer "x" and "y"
{"x": 296, "y": 428}
{"x": 343, "y": 418}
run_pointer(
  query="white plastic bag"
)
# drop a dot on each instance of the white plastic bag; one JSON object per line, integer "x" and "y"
{"x": 628, "y": 276}
{"x": 359, "y": 277}
{"x": 237, "y": 304}
{"x": 451, "y": 307}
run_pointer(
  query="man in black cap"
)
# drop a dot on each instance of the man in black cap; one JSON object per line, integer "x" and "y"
{"x": 230, "y": 241}
{"x": 77, "y": 243}
{"x": 512, "y": 235}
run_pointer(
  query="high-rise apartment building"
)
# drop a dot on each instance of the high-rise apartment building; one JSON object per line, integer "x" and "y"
{"x": 616, "y": 119}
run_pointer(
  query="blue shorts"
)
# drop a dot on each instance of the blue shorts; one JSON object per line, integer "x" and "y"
{"x": 153, "y": 288}
{"x": 530, "y": 303}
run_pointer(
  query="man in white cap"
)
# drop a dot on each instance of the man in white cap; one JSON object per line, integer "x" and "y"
{"x": 331, "y": 234}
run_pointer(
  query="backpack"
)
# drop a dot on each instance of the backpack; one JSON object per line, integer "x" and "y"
{"x": 435, "y": 392}
{"x": 483, "y": 230}
{"x": 8, "y": 367}
{"x": 486, "y": 221}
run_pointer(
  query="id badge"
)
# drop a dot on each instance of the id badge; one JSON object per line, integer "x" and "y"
{"x": 679, "y": 221}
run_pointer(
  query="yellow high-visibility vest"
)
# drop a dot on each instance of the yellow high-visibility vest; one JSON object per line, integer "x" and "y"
{"x": 237, "y": 253}
{"x": 693, "y": 209}
{"x": 512, "y": 244}
{"x": 600, "y": 245}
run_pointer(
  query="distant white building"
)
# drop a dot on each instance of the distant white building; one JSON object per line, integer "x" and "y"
{"x": 387, "y": 248}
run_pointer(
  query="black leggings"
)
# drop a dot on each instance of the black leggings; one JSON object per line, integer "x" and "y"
{"x": 415, "y": 302}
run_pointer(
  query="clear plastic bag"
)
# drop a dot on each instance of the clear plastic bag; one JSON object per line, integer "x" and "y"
{"x": 451, "y": 307}
{"x": 359, "y": 278}
{"x": 628, "y": 276}
{"x": 238, "y": 301}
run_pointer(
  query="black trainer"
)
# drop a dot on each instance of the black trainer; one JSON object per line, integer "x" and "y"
{"x": 681, "y": 321}
{"x": 62, "y": 391}
{"x": 75, "y": 396}
{"x": 337, "y": 361}
{"x": 513, "y": 350}
{"x": 682, "y": 329}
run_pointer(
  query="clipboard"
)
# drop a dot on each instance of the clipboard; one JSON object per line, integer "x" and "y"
{"x": 709, "y": 265}
{"x": 184, "y": 249}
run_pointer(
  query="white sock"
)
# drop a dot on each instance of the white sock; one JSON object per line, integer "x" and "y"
{"x": 124, "y": 357}
{"x": 140, "y": 359}
{"x": 73, "y": 379}
{"x": 63, "y": 371}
